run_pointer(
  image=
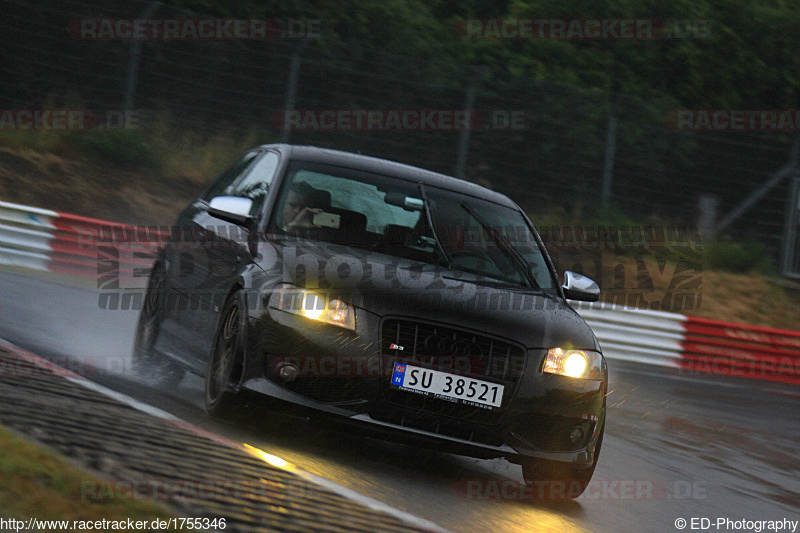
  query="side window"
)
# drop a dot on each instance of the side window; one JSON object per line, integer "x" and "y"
{"x": 222, "y": 186}
{"x": 255, "y": 183}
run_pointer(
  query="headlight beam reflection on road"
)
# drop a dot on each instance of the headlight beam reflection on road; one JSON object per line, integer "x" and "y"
{"x": 269, "y": 458}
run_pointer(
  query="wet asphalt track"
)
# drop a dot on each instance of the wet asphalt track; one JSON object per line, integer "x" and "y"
{"x": 676, "y": 446}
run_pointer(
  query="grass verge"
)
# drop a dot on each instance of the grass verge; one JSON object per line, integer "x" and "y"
{"x": 35, "y": 483}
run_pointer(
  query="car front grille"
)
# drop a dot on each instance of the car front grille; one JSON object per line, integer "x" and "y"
{"x": 454, "y": 350}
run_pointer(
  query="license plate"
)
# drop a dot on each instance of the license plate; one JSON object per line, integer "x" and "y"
{"x": 447, "y": 386}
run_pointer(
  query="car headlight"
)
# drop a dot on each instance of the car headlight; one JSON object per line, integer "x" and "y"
{"x": 314, "y": 306}
{"x": 574, "y": 363}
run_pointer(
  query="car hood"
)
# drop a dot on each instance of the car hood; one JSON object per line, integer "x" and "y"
{"x": 390, "y": 286}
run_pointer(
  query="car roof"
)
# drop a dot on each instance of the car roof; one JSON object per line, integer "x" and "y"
{"x": 389, "y": 168}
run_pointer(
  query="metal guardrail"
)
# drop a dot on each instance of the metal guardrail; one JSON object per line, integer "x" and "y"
{"x": 47, "y": 240}
{"x": 639, "y": 335}
{"x": 42, "y": 239}
{"x": 25, "y": 235}
{"x": 715, "y": 347}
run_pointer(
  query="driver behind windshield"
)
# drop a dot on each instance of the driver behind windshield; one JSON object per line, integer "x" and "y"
{"x": 302, "y": 202}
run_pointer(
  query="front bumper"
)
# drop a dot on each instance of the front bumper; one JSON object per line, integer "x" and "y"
{"x": 346, "y": 374}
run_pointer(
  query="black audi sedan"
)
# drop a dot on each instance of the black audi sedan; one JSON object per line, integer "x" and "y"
{"x": 418, "y": 306}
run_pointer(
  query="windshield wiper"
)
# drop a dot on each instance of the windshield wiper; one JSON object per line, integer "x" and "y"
{"x": 427, "y": 208}
{"x": 505, "y": 246}
{"x": 505, "y": 283}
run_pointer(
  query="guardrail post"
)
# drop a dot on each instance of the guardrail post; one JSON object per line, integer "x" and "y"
{"x": 291, "y": 86}
{"x": 707, "y": 207}
{"x": 608, "y": 159}
{"x": 132, "y": 79}
{"x": 463, "y": 142}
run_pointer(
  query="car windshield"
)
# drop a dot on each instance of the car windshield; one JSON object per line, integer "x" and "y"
{"x": 404, "y": 219}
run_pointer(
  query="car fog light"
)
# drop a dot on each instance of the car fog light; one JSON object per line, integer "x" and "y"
{"x": 576, "y": 435}
{"x": 287, "y": 372}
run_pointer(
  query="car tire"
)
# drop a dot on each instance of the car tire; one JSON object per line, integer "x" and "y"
{"x": 146, "y": 361}
{"x": 552, "y": 480}
{"x": 226, "y": 357}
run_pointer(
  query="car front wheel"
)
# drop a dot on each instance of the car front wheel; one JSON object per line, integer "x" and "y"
{"x": 551, "y": 480}
{"x": 226, "y": 357}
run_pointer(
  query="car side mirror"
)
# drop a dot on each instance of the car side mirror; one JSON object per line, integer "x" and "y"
{"x": 578, "y": 287}
{"x": 232, "y": 209}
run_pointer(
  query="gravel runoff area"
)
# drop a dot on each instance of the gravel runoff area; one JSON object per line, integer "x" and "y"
{"x": 194, "y": 473}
